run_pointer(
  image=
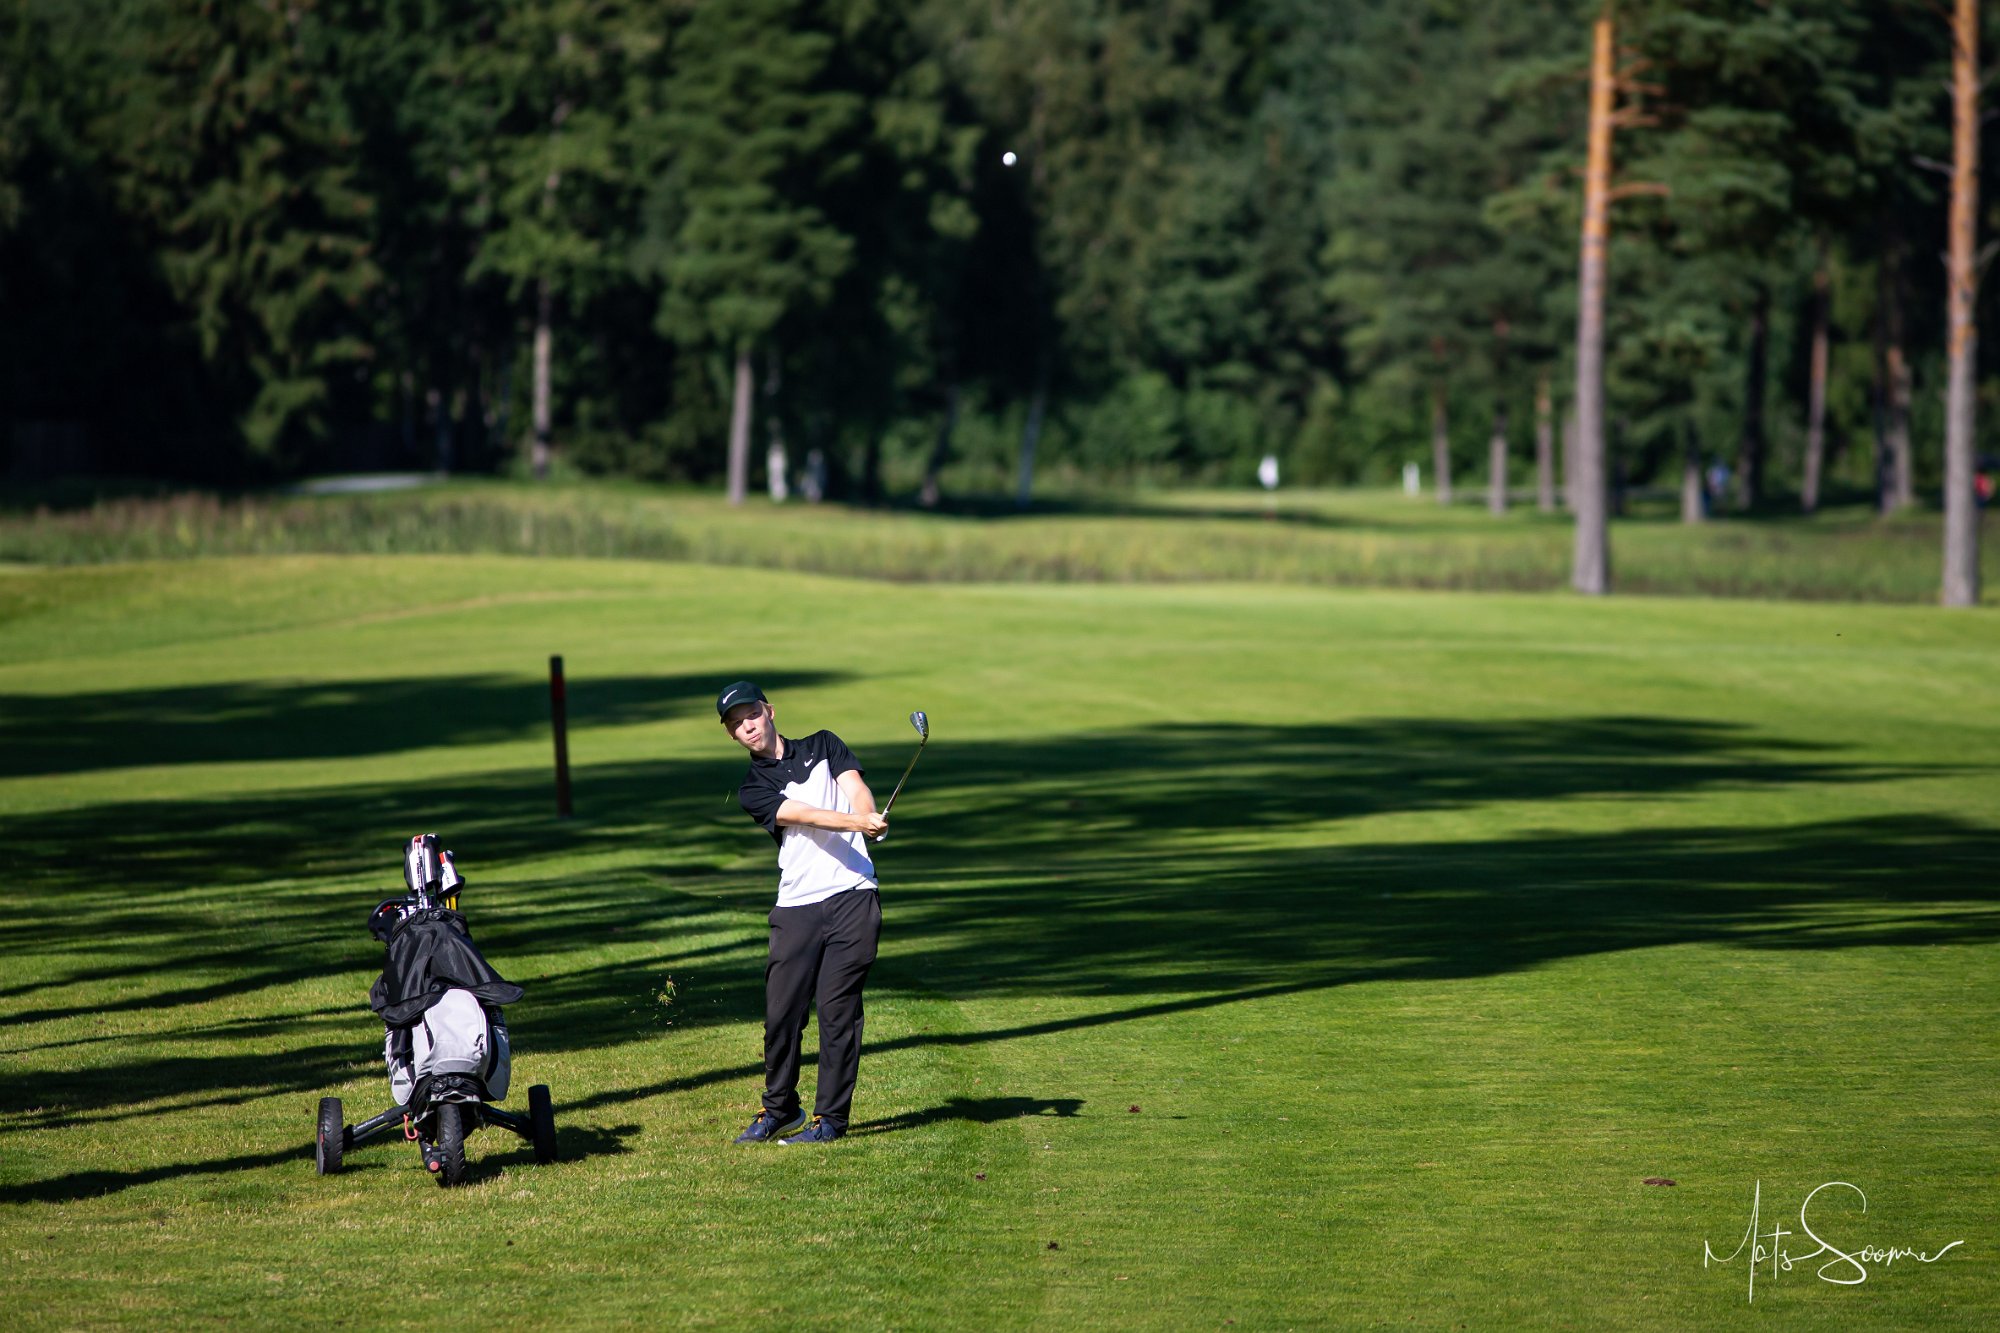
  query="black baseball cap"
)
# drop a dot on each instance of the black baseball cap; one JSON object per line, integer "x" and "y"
{"x": 742, "y": 692}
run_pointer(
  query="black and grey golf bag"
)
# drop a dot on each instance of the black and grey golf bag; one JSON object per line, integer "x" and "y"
{"x": 445, "y": 1033}
{"x": 445, "y": 1042}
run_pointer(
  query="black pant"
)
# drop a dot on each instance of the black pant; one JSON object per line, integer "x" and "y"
{"x": 819, "y": 953}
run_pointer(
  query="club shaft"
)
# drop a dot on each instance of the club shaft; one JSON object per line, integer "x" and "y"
{"x": 906, "y": 776}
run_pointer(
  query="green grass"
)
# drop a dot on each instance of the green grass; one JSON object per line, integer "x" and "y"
{"x": 1329, "y": 538}
{"x": 1420, "y": 929}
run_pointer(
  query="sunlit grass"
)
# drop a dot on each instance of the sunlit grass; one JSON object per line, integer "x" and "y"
{"x": 1277, "y": 955}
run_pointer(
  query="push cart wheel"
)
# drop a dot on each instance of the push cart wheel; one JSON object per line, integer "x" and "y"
{"x": 451, "y": 1144}
{"x": 542, "y": 1119}
{"x": 330, "y": 1138}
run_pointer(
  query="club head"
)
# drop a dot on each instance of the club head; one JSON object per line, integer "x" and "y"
{"x": 922, "y": 723}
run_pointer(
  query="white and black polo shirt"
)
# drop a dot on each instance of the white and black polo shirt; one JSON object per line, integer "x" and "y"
{"x": 813, "y": 864}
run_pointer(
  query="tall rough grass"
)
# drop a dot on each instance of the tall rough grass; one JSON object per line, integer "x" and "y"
{"x": 191, "y": 525}
{"x": 1344, "y": 540}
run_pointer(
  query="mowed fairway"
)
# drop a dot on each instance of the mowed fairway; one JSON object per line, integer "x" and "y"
{"x": 1276, "y": 956}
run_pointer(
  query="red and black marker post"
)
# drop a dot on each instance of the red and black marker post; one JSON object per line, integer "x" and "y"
{"x": 559, "y": 710}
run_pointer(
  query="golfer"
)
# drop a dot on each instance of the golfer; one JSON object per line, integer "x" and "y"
{"x": 809, "y": 796}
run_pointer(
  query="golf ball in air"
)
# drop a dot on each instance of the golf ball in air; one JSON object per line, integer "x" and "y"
{"x": 1007, "y": 159}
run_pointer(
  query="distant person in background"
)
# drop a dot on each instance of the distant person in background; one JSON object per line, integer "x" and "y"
{"x": 808, "y": 794}
{"x": 1267, "y": 476}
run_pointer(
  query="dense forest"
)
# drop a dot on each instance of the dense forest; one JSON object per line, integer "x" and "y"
{"x": 878, "y": 245}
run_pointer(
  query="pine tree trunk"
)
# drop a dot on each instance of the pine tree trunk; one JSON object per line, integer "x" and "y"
{"x": 450, "y": 406}
{"x": 540, "y": 451}
{"x": 543, "y": 448}
{"x": 1569, "y": 459}
{"x": 871, "y": 469}
{"x": 1440, "y": 446}
{"x": 1545, "y": 447}
{"x": 1031, "y": 435}
{"x": 472, "y": 411}
{"x": 1878, "y": 390}
{"x": 777, "y": 462}
{"x": 1496, "y": 464}
{"x": 1694, "y": 498}
{"x": 1822, "y": 314}
{"x": 739, "y": 427}
{"x": 1591, "y": 567}
{"x": 1750, "y": 453}
{"x": 409, "y": 387}
{"x": 929, "y": 495}
{"x": 504, "y": 403}
{"x": 1961, "y": 512}
{"x": 1892, "y": 371}
{"x": 1902, "y": 476}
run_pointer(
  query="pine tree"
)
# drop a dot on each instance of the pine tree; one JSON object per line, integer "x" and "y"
{"x": 926, "y": 293}
{"x": 425, "y": 130}
{"x": 235, "y": 151}
{"x": 1169, "y": 159}
{"x": 552, "y": 184}
{"x": 1441, "y": 259}
{"x": 745, "y": 240}
{"x": 1763, "y": 150}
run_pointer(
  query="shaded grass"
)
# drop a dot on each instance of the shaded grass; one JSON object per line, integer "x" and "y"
{"x": 1419, "y": 930}
{"x": 1342, "y": 539}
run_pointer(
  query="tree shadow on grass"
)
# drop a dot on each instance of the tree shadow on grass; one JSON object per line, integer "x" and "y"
{"x": 153, "y": 1084}
{"x": 978, "y": 1110}
{"x": 247, "y": 721}
{"x": 1121, "y": 924}
{"x": 1159, "y": 871}
{"x": 574, "y": 1144}
{"x": 260, "y": 1025}
{"x": 1061, "y": 795}
{"x": 1218, "y": 934}
{"x": 91, "y": 1184}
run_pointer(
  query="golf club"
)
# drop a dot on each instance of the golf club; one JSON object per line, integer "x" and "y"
{"x": 922, "y": 723}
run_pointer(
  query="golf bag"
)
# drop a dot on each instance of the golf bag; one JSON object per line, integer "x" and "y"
{"x": 445, "y": 1042}
{"x": 445, "y": 1031}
